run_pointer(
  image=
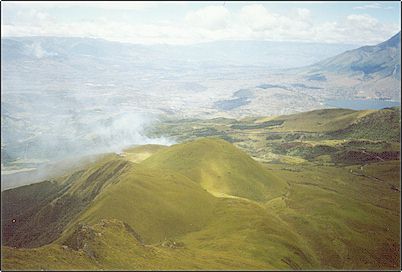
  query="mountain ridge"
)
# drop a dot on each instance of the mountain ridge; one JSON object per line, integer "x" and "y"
{"x": 383, "y": 59}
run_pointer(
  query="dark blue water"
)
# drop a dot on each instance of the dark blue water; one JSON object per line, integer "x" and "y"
{"x": 361, "y": 104}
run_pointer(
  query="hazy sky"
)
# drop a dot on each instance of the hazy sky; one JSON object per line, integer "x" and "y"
{"x": 191, "y": 22}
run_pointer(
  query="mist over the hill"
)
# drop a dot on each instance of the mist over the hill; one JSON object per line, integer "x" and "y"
{"x": 42, "y": 131}
{"x": 61, "y": 125}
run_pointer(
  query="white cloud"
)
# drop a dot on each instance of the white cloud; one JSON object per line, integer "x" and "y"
{"x": 211, "y": 17}
{"x": 373, "y": 5}
{"x": 251, "y": 22}
{"x": 257, "y": 17}
{"x": 116, "y": 5}
{"x": 357, "y": 28}
{"x": 362, "y": 21}
{"x": 303, "y": 13}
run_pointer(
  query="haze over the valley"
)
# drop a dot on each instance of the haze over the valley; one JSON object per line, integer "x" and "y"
{"x": 82, "y": 92}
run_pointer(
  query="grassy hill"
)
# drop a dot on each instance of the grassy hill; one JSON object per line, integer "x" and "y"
{"x": 206, "y": 204}
{"x": 220, "y": 168}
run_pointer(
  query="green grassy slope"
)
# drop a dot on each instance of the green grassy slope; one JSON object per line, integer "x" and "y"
{"x": 348, "y": 219}
{"x": 33, "y": 217}
{"x": 329, "y": 219}
{"x": 205, "y": 204}
{"x": 108, "y": 244}
{"x": 156, "y": 203}
{"x": 249, "y": 230}
{"x": 220, "y": 168}
{"x": 384, "y": 124}
{"x": 320, "y": 120}
{"x": 140, "y": 153}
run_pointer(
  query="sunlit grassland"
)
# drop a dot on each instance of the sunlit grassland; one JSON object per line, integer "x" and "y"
{"x": 205, "y": 204}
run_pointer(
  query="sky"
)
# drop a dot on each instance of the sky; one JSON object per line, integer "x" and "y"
{"x": 182, "y": 22}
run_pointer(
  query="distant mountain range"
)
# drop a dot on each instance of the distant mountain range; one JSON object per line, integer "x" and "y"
{"x": 376, "y": 70}
{"x": 381, "y": 60}
{"x": 264, "y": 53}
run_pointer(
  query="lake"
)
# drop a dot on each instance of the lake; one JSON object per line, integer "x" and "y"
{"x": 361, "y": 104}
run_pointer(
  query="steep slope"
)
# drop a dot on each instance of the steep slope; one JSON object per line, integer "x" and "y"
{"x": 110, "y": 245}
{"x": 382, "y": 60}
{"x": 365, "y": 72}
{"x": 220, "y": 168}
{"x": 152, "y": 201}
{"x": 35, "y": 215}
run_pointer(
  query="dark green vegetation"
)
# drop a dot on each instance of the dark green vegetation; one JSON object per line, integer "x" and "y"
{"x": 52, "y": 204}
{"x": 266, "y": 124}
{"x": 335, "y": 136}
{"x": 322, "y": 192}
